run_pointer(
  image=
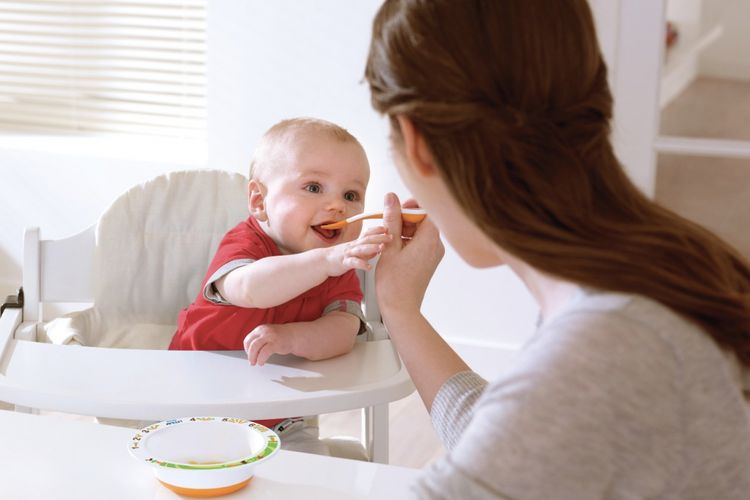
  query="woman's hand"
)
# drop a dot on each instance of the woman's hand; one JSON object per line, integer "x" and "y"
{"x": 407, "y": 262}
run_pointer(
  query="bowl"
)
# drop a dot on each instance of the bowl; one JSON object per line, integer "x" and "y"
{"x": 204, "y": 456}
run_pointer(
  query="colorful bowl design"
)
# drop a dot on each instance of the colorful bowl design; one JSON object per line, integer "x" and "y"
{"x": 204, "y": 456}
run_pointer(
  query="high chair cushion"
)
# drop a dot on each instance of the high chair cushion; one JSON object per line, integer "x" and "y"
{"x": 89, "y": 328}
{"x": 153, "y": 246}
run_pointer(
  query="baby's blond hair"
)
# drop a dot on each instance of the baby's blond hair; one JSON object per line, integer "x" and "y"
{"x": 289, "y": 128}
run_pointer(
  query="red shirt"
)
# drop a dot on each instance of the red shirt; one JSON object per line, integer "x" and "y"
{"x": 209, "y": 326}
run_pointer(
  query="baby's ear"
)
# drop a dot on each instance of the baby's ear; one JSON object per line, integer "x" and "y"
{"x": 256, "y": 199}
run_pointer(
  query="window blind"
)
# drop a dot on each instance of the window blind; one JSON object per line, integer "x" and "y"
{"x": 103, "y": 67}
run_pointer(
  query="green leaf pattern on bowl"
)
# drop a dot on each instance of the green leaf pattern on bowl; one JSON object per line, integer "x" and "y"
{"x": 272, "y": 443}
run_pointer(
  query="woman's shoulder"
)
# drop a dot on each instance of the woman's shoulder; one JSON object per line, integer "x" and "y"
{"x": 602, "y": 335}
{"x": 620, "y": 317}
{"x": 632, "y": 335}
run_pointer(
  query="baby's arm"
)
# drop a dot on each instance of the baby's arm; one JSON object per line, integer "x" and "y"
{"x": 328, "y": 336}
{"x": 275, "y": 280}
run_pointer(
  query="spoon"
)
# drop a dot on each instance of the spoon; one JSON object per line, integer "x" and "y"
{"x": 407, "y": 214}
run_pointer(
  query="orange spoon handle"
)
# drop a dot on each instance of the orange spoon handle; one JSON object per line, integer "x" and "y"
{"x": 415, "y": 218}
{"x": 409, "y": 215}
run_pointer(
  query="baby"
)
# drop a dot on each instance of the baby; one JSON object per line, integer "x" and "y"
{"x": 279, "y": 283}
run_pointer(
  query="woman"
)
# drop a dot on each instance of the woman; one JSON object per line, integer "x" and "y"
{"x": 635, "y": 385}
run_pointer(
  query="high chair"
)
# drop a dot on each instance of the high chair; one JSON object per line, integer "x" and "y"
{"x": 132, "y": 272}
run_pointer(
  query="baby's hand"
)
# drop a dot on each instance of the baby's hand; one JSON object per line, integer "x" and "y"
{"x": 265, "y": 340}
{"x": 356, "y": 254}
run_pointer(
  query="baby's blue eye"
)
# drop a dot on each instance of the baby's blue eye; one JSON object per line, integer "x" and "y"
{"x": 351, "y": 196}
{"x": 313, "y": 188}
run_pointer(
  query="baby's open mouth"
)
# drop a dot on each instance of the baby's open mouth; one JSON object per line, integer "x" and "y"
{"x": 328, "y": 234}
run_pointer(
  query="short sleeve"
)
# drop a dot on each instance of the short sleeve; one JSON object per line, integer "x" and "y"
{"x": 241, "y": 246}
{"x": 210, "y": 293}
{"x": 345, "y": 295}
{"x": 350, "y": 307}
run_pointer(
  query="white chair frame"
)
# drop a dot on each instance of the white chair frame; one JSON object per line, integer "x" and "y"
{"x": 126, "y": 383}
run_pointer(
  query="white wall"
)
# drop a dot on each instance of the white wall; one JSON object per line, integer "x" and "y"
{"x": 727, "y": 57}
{"x": 607, "y": 18}
{"x": 267, "y": 61}
{"x": 63, "y": 193}
{"x": 637, "y": 78}
{"x": 300, "y": 72}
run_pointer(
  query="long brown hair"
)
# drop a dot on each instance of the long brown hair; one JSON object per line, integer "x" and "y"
{"x": 512, "y": 99}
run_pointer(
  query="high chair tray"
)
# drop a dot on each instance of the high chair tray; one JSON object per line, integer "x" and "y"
{"x": 158, "y": 385}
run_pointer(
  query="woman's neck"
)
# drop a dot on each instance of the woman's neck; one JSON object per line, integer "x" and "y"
{"x": 550, "y": 293}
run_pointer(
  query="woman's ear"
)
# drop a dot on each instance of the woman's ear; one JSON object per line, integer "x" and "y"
{"x": 417, "y": 152}
{"x": 256, "y": 200}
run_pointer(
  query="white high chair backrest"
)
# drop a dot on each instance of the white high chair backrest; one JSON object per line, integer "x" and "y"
{"x": 142, "y": 263}
{"x": 154, "y": 243}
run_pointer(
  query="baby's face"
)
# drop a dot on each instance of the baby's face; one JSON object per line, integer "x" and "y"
{"x": 319, "y": 180}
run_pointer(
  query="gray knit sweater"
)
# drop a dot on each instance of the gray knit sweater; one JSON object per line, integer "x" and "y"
{"x": 616, "y": 397}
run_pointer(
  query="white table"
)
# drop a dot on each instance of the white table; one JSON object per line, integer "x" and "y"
{"x": 49, "y": 457}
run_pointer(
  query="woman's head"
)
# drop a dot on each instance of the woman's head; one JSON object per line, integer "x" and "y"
{"x": 511, "y": 100}
{"x": 509, "y": 97}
